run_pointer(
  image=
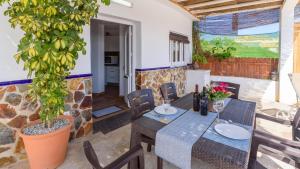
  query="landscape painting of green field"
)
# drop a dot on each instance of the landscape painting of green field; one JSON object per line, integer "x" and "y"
{"x": 251, "y": 46}
{"x": 251, "y": 43}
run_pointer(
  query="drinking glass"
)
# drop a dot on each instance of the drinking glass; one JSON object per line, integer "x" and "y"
{"x": 218, "y": 106}
{"x": 167, "y": 104}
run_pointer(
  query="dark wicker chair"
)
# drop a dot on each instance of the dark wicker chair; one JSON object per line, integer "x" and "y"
{"x": 232, "y": 87}
{"x": 295, "y": 123}
{"x": 141, "y": 102}
{"x": 283, "y": 149}
{"x": 168, "y": 91}
{"x": 135, "y": 152}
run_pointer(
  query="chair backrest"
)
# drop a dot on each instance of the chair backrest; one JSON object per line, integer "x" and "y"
{"x": 168, "y": 91}
{"x": 296, "y": 126}
{"x": 141, "y": 102}
{"x": 232, "y": 87}
{"x": 133, "y": 153}
{"x": 91, "y": 155}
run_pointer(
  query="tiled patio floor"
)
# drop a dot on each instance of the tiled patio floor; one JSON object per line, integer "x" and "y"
{"x": 112, "y": 145}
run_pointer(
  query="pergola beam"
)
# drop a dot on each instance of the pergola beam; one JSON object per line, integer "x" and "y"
{"x": 181, "y": 0}
{"x": 214, "y": 2}
{"x": 236, "y": 6}
{"x": 244, "y": 10}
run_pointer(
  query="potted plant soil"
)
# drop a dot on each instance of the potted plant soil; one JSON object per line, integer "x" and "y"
{"x": 49, "y": 49}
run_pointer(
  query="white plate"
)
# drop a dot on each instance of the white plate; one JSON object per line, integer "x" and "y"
{"x": 169, "y": 111}
{"x": 232, "y": 131}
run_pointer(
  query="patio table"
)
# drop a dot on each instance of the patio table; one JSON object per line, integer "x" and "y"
{"x": 217, "y": 154}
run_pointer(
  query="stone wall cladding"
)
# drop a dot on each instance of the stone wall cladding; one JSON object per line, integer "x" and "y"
{"x": 154, "y": 78}
{"x": 16, "y": 110}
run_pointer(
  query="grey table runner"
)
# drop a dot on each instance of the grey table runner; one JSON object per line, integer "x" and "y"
{"x": 174, "y": 142}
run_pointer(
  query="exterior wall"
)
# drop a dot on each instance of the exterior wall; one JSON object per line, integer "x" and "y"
{"x": 154, "y": 78}
{"x": 151, "y": 45}
{"x": 286, "y": 51}
{"x": 9, "y": 40}
{"x": 252, "y": 89}
{"x": 152, "y": 41}
{"x": 16, "y": 110}
{"x": 153, "y": 20}
{"x": 242, "y": 67}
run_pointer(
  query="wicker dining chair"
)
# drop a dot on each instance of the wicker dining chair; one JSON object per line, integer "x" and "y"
{"x": 232, "y": 87}
{"x": 141, "y": 102}
{"x": 168, "y": 91}
{"x": 295, "y": 123}
{"x": 280, "y": 148}
{"x": 135, "y": 152}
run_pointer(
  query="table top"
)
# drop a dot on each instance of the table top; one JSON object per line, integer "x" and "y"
{"x": 220, "y": 155}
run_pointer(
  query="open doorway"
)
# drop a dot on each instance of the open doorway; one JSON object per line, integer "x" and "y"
{"x": 111, "y": 55}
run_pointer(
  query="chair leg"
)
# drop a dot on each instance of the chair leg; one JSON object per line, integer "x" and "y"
{"x": 159, "y": 163}
{"x": 149, "y": 147}
{"x": 254, "y": 149}
{"x": 297, "y": 165}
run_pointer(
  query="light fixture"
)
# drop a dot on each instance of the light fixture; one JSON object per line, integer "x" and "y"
{"x": 123, "y": 2}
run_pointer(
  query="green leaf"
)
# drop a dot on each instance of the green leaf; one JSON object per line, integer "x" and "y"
{"x": 106, "y": 2}
{"x": 50, "y": 45}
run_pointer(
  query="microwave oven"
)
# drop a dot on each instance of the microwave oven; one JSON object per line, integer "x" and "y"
{"x": 111, "y": 60}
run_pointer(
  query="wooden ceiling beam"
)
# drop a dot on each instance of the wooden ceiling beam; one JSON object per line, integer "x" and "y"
{"x": 181, "y": 0}
{"x": 214, "y": 10}
{"x": 238, "y": 11}
{"x": 214, "y": 2}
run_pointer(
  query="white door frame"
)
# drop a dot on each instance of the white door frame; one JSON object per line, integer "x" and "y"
{"x": 118, "y": 20}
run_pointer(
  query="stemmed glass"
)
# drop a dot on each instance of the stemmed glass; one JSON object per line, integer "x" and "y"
{"x": 167, "y": 104}
{"x": 218, "y": 106}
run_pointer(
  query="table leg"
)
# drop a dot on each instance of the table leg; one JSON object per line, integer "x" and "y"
{"x": 134, "y": 140}
{"x": 159, "y": 163}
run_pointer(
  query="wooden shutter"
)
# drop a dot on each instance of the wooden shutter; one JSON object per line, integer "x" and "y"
{"x": 180, "y": 38}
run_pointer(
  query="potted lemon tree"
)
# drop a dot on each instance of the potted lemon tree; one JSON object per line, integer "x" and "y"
{"x": 49, "y": 49}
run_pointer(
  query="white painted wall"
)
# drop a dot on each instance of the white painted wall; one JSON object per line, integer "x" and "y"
{"x": 286, "y": 52}
{"x": 196, "y": 77}
{"x": 157, "y": 19}
{"x": 9, "y": 39}
{"x": 97, "y": 56}
{"x": 154, "y": 19}
{"x": 252, "y": 89}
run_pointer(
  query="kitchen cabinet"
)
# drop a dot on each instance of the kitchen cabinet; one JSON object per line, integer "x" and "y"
{"x": 112, "y": 43}
{"x": 112, "y": 74}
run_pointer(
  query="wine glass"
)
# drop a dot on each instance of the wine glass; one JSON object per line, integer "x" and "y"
{"x": 167, "y": 104}
{"x": 218, "y": 106}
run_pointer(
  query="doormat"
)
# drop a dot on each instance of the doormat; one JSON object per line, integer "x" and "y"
{"x": 106, "y": 111}
{"x": 112, "y": 123}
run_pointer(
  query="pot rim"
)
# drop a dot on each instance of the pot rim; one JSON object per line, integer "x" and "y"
{"x": 60, "y": 130}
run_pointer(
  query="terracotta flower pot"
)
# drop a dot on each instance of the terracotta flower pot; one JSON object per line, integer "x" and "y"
{"x": 47, "y": 151}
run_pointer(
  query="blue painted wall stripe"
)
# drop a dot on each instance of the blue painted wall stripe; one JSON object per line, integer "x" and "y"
{"x": 26, "y": 81}
{"x": 158, "y": 68}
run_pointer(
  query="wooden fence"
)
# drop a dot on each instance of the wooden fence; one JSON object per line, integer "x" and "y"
{"x": 259, "y": 68}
